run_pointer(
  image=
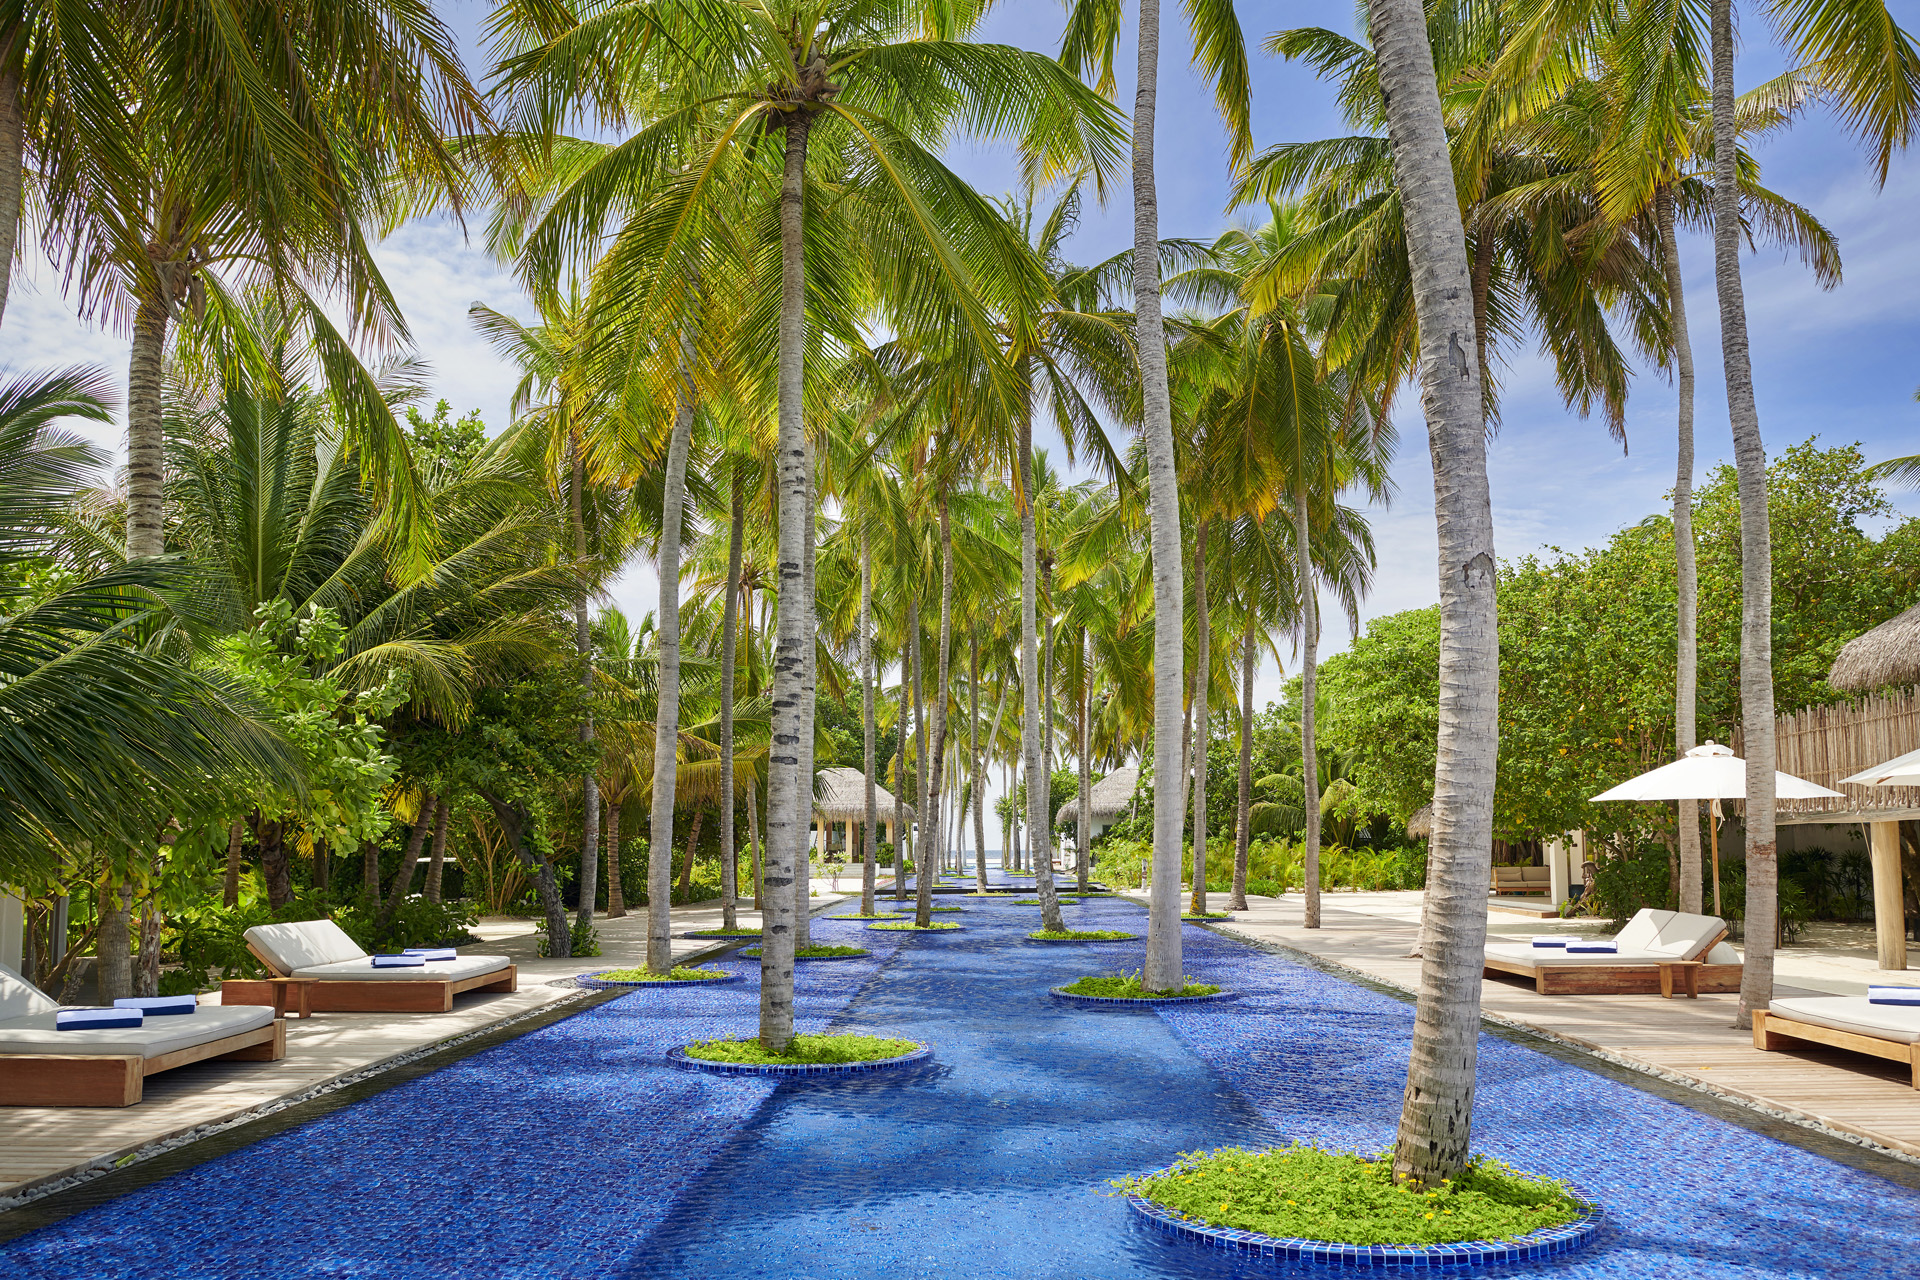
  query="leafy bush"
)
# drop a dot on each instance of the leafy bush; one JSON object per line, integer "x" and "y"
{"x": 803, "y": 1049}
{"x": 585, "y": 940}
{"x": 1130, "y": 986}
{"x": 1308, "y": 1192}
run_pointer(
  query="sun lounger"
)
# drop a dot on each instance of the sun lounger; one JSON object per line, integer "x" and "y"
{"x": 43, "y": 1066}
{"x": 1654, "y": 952}
{"x": 345, "y": 979}
{"x": 1843, "y": 1022}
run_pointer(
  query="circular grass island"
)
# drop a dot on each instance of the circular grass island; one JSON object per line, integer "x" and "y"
{"x": 1307, "y": 1203}
{"x": 878, "y": 915}
{"x": 816, "y": 953}
{"x": 746, "y": 931}
{"x": 1201, "y": 917}
{"x": 1128, "y": 989}
{"x": 1082, "y": 935}
{"x": 837, "y": 1055}
{"x": 610, "y": 979}
{"x": 908, "y": 926}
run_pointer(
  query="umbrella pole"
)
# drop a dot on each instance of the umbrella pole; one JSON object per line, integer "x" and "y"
{"x": 1713, "y": 826}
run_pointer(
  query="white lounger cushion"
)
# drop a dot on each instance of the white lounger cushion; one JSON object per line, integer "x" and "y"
{"x": 432, "y": 971}
{"x": 1533, "y": 957}
{"x": 1651, "y": 936}
{"x": 1897, "y": 1022}
{"x": 35, "y": 1033}
{"x": 18, "y": 997}
{"x": 299, "y": 944}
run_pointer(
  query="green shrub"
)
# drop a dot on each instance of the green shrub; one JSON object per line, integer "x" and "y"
{"x": 585, "y": 940}
{"x": 1129, "y": 986}
{"x": 1310, "y": 1193}
{"x": 803, "y": 1049}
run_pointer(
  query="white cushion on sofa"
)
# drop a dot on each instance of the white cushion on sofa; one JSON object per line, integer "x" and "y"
{"x": 433, "y": 970}
{"x": 298, "y": 944}
{"x": 1897, "y": 1022}
{"x": 18, "y": 997}
{"x": 35, "y": 1033}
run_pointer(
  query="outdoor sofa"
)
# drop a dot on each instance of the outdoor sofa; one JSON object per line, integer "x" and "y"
{"x": 1655, "y": 949}
{"x": 43, "y": 1066}
{"x": 338, "y": 977}
{"x": 1843, "y": 1022}
{"x": 1523, "y": 880}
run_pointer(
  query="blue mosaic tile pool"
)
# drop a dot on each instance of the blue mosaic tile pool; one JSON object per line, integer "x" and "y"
{"x": 574, "y": 1151}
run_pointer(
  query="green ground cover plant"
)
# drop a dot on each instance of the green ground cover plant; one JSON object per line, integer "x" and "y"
{"x": 815, "y": 953}
{"x": 1344, "y": 1197}
{"x": 648, "y": 975}
{"x": 805, "y": 1050}
{"x": 1081, "y": 935}
{"x": 910, "y": 926}
{"x": 1127, "y": 986}
{"x": 878, "y": 915}
{"x": 745, "y": 931}
{"x": 1206, "y": 915}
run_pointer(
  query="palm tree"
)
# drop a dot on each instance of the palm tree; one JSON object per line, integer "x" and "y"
{"x": 1435, "y": 1121}
{"x": 251, "y": 148}
{"x": 1093, "y": 28}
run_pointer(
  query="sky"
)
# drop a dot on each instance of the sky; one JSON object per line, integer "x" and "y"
{"x": 1836, "y": 364}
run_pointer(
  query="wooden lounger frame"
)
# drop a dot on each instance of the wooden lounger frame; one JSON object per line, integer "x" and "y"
{"x": 118, "y": 1080}
{"x": 1773, "y": 1032}
{"x": 1639, "y": 978}
{"x": 373, "y": 995}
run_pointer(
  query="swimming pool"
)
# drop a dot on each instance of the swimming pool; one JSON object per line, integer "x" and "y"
{"x": 572, "y": 1151}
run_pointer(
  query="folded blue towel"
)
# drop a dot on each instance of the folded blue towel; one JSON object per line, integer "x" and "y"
{"x": 432, "y": 953}
{"x": 398, "y": 962}
{"x": 93, "y": 1019}
{"x": 156, "y": 1006}
{"x": 1893, "y": 995}
{"x": 1546, "y": 941}
{"x": 1593, "y": 948}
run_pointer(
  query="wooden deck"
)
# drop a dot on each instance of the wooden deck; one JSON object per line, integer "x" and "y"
{"x": 1692, "y": 1039}
{"x": 43, "y": 1145}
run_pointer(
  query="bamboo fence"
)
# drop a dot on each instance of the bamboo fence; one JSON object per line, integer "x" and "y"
{"x": 1827, "y": 743}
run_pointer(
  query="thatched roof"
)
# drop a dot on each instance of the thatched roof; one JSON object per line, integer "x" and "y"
{"x": 1888, "y": 654}
{"x": 1111, "y": 796}
{"x": 840, "y": 795}
{"x": 1420, "y": 825}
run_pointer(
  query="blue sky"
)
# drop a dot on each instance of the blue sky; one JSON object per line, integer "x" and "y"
{"x": 1839, "y": 364}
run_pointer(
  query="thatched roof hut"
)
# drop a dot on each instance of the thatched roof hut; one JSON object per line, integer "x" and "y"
{"x": 1111, "y": 795}
{"x": 840, "y": 795}
{"x": 1420, "y": 825}
{"x": 1888, "y": 654}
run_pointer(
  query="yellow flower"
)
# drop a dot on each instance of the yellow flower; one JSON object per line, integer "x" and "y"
{"x": 1429, "y": 1215}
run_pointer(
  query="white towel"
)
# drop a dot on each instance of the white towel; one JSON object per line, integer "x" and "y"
{"x": 1893, "y": 995}
{"x": 1546, "y": 940}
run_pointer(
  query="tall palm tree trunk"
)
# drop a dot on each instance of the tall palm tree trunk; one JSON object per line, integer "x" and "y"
{"x": 666, "y": 716}
{"x": 1687, "y": 579}
{"x": 786, "y": 806}
{"x": 403, "y": 878}
{"x": 13, "y": 52}
{"x": 923, "y": 816}
{"x": 1086, "y": 760}
{"x": 1756, "y": 550}
{"x": 1243, "y": 808}
{"x": 729, "y": 655}
{"x": 903, "y": 724}
{"x": 616, "y": 896}
{"x": 230, "y": 889}
{"x": 1202, "y": 667}
{"x": 1437, "y": 1114}
{"x": 1033, "y": 756}
{"x": 1163, "y": 970}
{"x": 753, "y": 844}
{"x": 869, "y": 840}
{"x": 980, "y": 791}
{"x": 974, "y": 798}
{"x": 113, "y": 943}
{"x": 583, "y": 650}
{"x": 1309, "y": 688}
{"x": 437, "y": 859}
{"x": 146, "y": 438}
{"x": 803, "y": 878}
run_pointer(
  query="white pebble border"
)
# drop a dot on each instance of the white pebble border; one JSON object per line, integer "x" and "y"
{"x": 1632, "y": 1064}
{"x": 109, "y": 1163}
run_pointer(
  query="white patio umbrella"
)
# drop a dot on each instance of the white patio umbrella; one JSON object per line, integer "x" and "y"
{"x": 1709, "y": 772}
{"x": 1901, "y": 771}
